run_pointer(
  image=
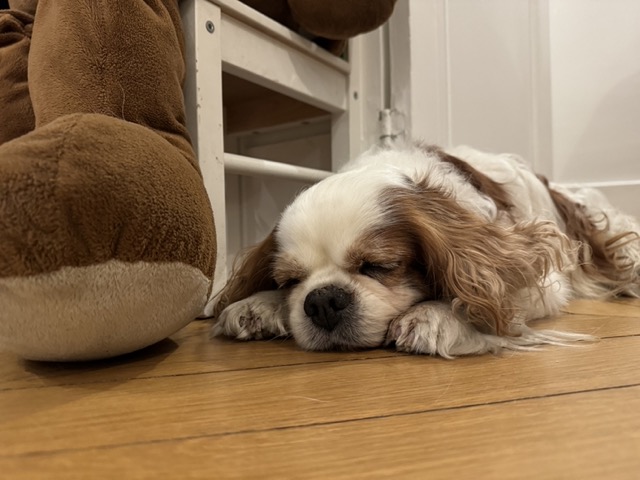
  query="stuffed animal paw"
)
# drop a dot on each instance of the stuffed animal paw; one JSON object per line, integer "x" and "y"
{"x": 107, "y": 239}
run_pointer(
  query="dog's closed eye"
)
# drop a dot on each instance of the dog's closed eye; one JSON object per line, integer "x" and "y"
{"x": 377, "y": 270}
{"x": 287, "y": 273}
{"x": 289, "y": 283}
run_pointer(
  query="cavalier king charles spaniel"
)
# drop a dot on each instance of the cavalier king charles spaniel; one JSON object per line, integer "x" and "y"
{"x": 442, "y": 252}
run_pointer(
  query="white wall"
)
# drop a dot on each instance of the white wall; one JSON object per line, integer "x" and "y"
{"x": 462, "y": 71}
{"x": 595, "y": 85}
{"x": 556, "y": 81}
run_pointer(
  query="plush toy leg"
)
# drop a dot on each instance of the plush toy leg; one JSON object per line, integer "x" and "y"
{"x": 107, "y": 242}
{"x": 16, "y": 113}
{"x": 121, "y": 58}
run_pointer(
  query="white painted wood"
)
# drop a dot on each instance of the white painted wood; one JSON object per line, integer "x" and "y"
{"x": 203, "y": 101}
{"x": 556, "y": 82}
{"x": 241, "y": 165}
{"x": 248, "y": 45}
{"x": 490, "y": 75}
{"x": 345, "y": 125}
{"x": 540, "y": 98}
{"x": 595, "y": 80}
{"x": 466, "y": 72}
{"x": 340, "y": 142}
{"x": 372, "y": 88}
{"x": 419, "y": 86}
{"x": 263, "y": 198}
{"x": 255, "y": 56}
{"x": 357, "y": 129}
{"x": 254, "y": 203}
{"x": 279, "y": 33}
{"x": 461, "y": 72}
{"x": 275, "y": 135}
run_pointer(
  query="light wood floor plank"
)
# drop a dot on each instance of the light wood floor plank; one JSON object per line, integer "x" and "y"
{"x": 190, "y": 408}
{"x": 597, "y": 325}
{"x": 190, "y": 351}
{"x": 622, "y": 307}
{"x": 585, "y": 436}
{"x": 102, "y": 414}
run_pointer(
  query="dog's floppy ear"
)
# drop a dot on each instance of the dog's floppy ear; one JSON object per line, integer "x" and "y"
{"x": 252, "y": 273}
{"x": 476, "y": 264}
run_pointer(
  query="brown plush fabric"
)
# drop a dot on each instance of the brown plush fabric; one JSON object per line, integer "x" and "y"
{"x": 87, "y": 188}
{"x": 16, "y": 112}
{"x": 329, "y": 23}
{"x": 107, "y": 240}
{"x": 27, "y": 6}
{"x": 122, "y": 58}
{"x": 109, "y": 172}
{"x": 341, "y": 19}
{"x": 277, "y": 10}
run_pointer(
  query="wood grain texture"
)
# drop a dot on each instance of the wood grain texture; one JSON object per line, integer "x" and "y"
{"x": 570, "y": 436}
{"x": 190, "y": 351}
{"x": 189, "y": 408}
{"x": 626, "y": 307}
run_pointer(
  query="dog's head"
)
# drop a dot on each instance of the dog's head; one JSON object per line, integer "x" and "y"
{"x": 399, "y": 227}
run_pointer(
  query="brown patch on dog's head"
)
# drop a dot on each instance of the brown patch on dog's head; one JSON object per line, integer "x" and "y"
{"x": 477, "y": 265}
{"x": 481, "y": 182}
{"x": 388, "y": 254}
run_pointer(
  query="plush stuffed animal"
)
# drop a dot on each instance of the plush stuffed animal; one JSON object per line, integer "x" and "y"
{"x": 330, "y": 23}
{"x": 107, "y": 240}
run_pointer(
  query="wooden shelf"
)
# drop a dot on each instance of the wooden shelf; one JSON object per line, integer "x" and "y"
{"x": 250, "y": 108}
{"x": 296, "y": 67}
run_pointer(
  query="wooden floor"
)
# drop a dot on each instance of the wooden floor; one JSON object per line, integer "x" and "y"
{"x": 193, "y": 408}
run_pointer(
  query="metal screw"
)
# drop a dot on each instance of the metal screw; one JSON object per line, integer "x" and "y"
{"x": 210, "y": 26}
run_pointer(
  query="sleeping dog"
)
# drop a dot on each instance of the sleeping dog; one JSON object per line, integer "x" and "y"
{"x": 437, "y": 252}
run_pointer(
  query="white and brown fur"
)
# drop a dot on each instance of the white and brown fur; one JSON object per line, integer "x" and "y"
{"x": 437, "y": 252}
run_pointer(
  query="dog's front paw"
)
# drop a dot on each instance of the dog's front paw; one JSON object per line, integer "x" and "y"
{"x": 432, "y": 328}
{"x": 263, "y": 315}
{"x": 417, "y": 330}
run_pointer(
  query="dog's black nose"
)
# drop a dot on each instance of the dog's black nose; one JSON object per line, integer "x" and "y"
{"x": 324, "y": 306}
